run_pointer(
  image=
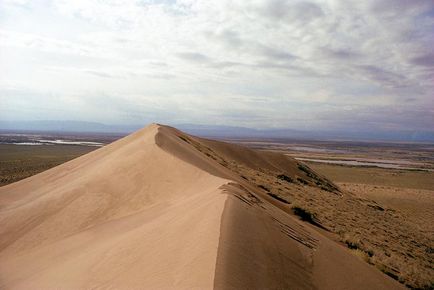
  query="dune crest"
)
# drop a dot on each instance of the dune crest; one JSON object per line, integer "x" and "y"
{"x": 160, "y": 209}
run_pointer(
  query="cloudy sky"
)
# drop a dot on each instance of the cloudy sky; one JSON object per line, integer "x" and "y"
{"x": 329, "y": 64}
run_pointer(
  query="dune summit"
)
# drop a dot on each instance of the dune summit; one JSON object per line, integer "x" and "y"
{"x": 160, "y": 209}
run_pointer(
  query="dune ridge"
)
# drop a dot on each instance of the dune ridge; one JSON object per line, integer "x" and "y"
{"x": 160, "y": 209}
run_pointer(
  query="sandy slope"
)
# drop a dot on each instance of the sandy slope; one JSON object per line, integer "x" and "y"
{"x": 160, "y": 209}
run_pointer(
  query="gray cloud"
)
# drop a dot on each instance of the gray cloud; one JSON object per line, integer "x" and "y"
{"x": 276, "y": 54}
{"x": 231, "y": 37}
{"x": 100, "y": 74}
{"x": 340, "y": 54}
{"x": 383, "y": 76}
{"x": 401, "y": 6}
{"x": 290, "y": 11}
{"x": 289, "y": 68}
{"x": 426, "y": 60}
{"x": 194, "y": 57}
{"x": 227, "y": 64}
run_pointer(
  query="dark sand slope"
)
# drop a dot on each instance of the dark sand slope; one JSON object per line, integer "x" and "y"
{"x": 160, "y": 209}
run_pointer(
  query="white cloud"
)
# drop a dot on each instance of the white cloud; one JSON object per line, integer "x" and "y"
{"x": 203, "y": 57}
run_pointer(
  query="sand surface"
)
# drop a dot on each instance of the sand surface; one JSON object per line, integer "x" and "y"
{"x": 162, "y": 210}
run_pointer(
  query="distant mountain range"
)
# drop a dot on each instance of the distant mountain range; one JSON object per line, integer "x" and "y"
{"x": 220, "y": 131}
{"x": 65, "y": 126}
{"x": 233, "y": 132}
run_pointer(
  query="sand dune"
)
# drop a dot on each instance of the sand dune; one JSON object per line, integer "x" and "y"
{"x": 163, "y": 210}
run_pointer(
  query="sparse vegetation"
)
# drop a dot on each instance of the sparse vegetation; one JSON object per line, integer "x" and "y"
{"x": 393, "y": 273}
{"x": 302, "y": 181}
{"x": 376, "y": 207}
{"x": 184, "y": 139}
{"x": 304, "y": 214}
{"x": 377, "y": 176}
{"x": 321, "y": 182}
{"x": 19, "y": 162}
{"x": 285, "y": 178}
{"x": 279, "y": 198}
{"x": 362, "y": 255}
{"x": 304, "y": 168}
{"x": 356, "y": 245}
{"x": 307, "y": 216}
